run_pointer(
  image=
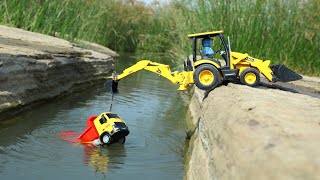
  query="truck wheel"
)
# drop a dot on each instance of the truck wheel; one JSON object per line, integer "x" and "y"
{"x": 206, "y": 77}
{"x": 250, "y": 77}
{"x": 105, "y": 138}
{"x": 122, "y": 140}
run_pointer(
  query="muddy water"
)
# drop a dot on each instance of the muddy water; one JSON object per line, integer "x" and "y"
{"x": 30, "y": 147}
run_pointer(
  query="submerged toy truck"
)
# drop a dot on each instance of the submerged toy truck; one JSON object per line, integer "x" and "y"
{"x": 105, "y": 129}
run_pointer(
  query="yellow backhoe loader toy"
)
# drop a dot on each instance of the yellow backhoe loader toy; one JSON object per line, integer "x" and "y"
{"x": 207, "y": 73}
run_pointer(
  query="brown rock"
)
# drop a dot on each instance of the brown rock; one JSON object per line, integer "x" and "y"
{"x": 35, "y": 67}
{"x": 252, "y": 133}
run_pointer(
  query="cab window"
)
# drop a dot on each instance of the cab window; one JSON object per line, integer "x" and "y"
{"x": 103, "y": 119}
{"x": 112, "y": 116}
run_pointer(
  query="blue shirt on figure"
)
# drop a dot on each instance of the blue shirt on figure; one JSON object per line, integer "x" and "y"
{"x": 207, "y": 51}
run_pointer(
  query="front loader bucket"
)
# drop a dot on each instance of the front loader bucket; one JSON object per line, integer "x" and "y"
{"x": 112, "y": 85}
{"x": 284, "y": 74}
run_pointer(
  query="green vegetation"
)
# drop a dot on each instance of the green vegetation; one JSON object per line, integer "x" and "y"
{"x": 280, "y": 30}
{"x": 111, "y": 23}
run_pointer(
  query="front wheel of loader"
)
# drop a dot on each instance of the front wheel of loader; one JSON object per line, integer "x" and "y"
{"x": 206, "y": 77}
{"x": 250, "y": 77}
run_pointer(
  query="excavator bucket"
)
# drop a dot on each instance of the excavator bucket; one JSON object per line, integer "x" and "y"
{"x": 112, "y": 85}
{"x": 284, "y": 74}
{"x": 115, "y": 87}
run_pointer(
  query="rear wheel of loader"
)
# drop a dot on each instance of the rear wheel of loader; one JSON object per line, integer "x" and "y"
{"x": 250, "y": 77}
{"x": 206, "y": 77}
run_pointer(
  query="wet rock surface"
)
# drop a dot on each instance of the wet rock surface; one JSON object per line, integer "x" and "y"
{"x": 241, "y": 132}
{"x": 36, "y": 67}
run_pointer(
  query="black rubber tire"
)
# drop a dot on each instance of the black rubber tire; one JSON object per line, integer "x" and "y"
{"x": 250, "y": 70}
{"x": 122, "y": 140}
{"x": 215, "y": 72}
{"x": 105, "y": 134}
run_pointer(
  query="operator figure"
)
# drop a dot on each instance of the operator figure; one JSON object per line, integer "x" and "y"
{"x": 207, "y": 51}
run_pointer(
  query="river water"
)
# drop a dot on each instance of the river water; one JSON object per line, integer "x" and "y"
{"x": 30, "y": 146}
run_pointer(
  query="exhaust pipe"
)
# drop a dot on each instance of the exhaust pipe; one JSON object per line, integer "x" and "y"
{"x": 284, "y": 74}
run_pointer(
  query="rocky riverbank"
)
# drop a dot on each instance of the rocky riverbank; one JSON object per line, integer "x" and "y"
{"x": 36, "y": 67}
{"x": 239, "y": 132}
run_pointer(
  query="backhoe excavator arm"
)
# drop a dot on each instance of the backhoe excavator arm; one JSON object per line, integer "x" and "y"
{"x": 184, "y": 79}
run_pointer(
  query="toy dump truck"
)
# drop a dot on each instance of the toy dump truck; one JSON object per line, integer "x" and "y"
{"x": 105, "y": 129}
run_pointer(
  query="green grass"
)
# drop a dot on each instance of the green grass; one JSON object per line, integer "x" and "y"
{"x": 280, "y": 30}
{"x": 111, "y": 23}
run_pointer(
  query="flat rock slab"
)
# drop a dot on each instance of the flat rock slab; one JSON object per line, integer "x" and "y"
{"x": 253, "y": 133}
{"x": 35, "y": 67}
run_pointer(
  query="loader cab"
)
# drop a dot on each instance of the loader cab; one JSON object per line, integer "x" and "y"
{"x": 225, "y": 72}
{"x": 221, "y": 46}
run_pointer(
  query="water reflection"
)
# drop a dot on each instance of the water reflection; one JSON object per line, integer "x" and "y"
{"x": 99, "y": 159}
